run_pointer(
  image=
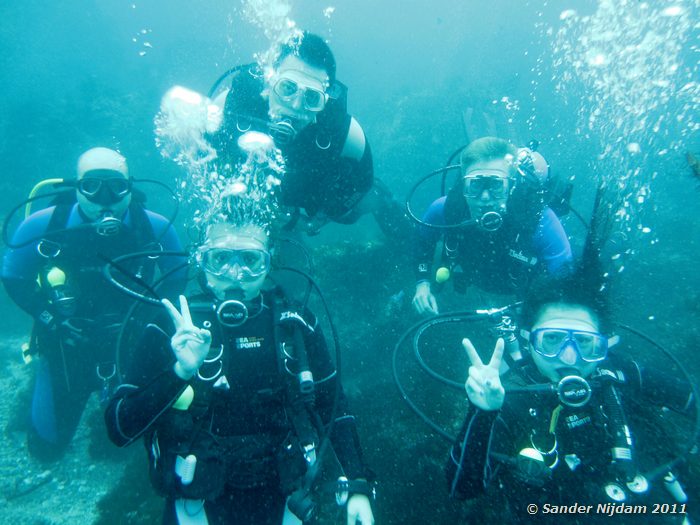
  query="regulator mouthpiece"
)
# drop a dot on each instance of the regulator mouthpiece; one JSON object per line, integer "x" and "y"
{"x": 491, "y": 221}
{"x": 108, "y": 225}
{"x": 283, "y": 132}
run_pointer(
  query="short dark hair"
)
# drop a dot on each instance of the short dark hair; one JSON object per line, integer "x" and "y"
{"x": 312, "y": 49}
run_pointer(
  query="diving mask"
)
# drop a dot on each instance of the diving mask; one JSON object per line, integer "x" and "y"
{"x": 288, "y": 90}
{"x": 251, "y": 263}
{"x": 104, "y": 190}
{"x": 475, "y": 185}
{"x": 551, "y": 342}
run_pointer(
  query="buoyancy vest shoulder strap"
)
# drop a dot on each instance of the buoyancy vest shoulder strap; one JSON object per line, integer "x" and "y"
{"x": 141, "y": 225}
{"x": 59, "y": 217}
{"x": 244, "y": 98}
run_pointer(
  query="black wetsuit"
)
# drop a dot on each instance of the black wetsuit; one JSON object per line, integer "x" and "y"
{"x": 485, "y": 454}
{"x": 328, "y": 165}
{"x": 318, "y": 177}
{"x": 245, "y": 422}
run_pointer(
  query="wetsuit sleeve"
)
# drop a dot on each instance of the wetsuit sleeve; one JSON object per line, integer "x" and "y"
{"x": 425, "y": 239}
{"x": 353, "y": 174}
{"x": 468, "y": 468}
{"x": 552, "y": 244}
{"x": 345, "y": 439}
{"x": 21, "y": 265}
{"x": 149, "y": 388}
{"x": 175, "y": 267}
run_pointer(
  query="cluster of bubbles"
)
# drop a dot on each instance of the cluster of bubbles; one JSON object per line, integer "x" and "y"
{"x": 638, "y": 96}
{"x": 245, "y": 193}
{"x": 181, "y": 125}
{"x": 140, "y": 39}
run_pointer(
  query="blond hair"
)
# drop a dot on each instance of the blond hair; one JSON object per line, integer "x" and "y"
{"x": 486, "y": 149}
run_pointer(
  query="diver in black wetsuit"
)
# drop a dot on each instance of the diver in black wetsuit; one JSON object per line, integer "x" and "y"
{"x": 232, "y": 393}
{"x": 567, "y": 441}
{"x": 329, "y": 174}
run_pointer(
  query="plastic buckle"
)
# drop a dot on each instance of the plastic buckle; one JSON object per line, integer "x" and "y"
{"x": 310, "y": 453}
{"x": 48, "y": 249}
{"x": 27, "y": 352}
{"x": 342, "y": 491}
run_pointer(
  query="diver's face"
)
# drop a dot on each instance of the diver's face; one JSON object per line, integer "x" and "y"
{"x": 487, "y": 187}
{"x": 297, "y": 91}
{"x": 235, "y": 264}
{"x": 103, "y": 193}
{"x": 568, "y": 361}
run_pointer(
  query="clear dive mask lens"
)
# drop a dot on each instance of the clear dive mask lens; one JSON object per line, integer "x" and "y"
{"x": 219, "y": 261}
{"x": 91, "y": 187}
{"x": 475, "y": 185}
{"x": 288, "y": 89}
{"x": 551, "y": 342}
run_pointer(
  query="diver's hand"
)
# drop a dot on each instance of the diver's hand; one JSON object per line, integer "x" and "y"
{"x": 484, "y": 388}
{"x": 189, "y": 343}
{"x": 424, "y": 300}
{"x": 360, "y": 510}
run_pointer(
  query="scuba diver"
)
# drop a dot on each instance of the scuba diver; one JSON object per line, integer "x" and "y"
{"x": 329, "y": 174}
{"x": 232, "y": 392}
{"x": 53, "y": 270}
{"x": 562, "y": 436}
{"x": 499, "y": 232}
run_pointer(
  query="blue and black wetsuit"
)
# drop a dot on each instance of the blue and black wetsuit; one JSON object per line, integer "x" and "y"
{"x": 502, "y": 261}
{"x": 244, "y": 423}
{"x": 576, "y": 444}
{"x": 76, "y": 348}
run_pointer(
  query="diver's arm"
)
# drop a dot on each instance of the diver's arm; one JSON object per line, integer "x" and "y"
{"x": 150, "y": 388}
{"x": 552, "y": 244}
{"x": 170, "y": 242}
{"x": 425, "y": 239}
{"x": 354, "y": 175}
{"x": 21, "y": 265}
{"x": 468, "y": 470}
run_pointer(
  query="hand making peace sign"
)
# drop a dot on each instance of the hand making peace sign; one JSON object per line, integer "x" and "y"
{"x": 189, "y": 343}
{"x": 484, "y": 388}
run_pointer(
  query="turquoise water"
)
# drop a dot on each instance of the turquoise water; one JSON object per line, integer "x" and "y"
{"x": 609, "y": 89}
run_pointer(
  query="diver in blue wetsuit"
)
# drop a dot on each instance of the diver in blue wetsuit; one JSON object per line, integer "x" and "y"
{"x": 54, "y": 272}
{"x": 508, "y": 234}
